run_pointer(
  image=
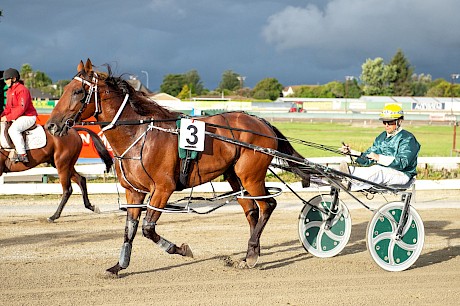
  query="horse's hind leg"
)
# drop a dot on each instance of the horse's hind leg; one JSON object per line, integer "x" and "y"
{"x": 66, "y": 193}
{"x": 159, "y": 199}
{"x": 81, "y": 182}
{"x": 265, "y": 208}
{"x": 250, "y": 208}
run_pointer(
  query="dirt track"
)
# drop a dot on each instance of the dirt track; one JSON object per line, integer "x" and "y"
{"x": 63, "y": 263}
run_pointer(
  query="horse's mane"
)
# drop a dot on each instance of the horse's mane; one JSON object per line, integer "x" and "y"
{"x": 139, "y": 102}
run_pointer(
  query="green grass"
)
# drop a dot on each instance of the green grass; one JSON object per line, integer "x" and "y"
{"x": 434, "y": 140}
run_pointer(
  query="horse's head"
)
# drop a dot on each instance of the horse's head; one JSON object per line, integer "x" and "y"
{"x": 78, "y": 102}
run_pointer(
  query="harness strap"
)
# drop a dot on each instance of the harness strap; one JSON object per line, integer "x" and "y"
{"x": 115, "y": 119}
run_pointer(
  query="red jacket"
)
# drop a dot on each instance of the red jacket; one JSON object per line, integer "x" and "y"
{"x": 18, "y": 103}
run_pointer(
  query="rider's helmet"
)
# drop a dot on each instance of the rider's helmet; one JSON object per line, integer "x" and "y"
{"x": 11, "y": 73}
{"x": 391, "y": 112}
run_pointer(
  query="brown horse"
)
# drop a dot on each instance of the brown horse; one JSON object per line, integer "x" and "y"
{"x": 62, "y": 153}
{"x": 147, "y": 154}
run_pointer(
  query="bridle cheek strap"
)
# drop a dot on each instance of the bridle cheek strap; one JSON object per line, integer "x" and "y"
{"x": 92, "y": 90}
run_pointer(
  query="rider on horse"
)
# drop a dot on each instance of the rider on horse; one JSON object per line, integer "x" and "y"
{"x": 19, "y": 110}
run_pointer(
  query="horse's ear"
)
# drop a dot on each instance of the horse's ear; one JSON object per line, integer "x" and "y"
{"x": 80, "y": 67}
{"x": 88, "y": 66}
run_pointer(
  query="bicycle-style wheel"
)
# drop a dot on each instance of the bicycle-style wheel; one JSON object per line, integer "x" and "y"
{"x": 389, "y": 252}
{"x": 314, "y": 235}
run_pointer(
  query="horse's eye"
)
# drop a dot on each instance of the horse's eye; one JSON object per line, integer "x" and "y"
{"x": 78, "y": 91}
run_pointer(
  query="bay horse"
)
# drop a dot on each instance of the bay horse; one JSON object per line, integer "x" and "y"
{"x": 62, "y": 153}
{"x": 147, "y": 155}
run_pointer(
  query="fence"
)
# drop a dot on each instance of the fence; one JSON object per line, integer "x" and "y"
{"x": 34, "y": 181}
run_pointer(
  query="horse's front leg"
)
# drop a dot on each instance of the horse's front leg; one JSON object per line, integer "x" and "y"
{"x": 132, "y": 221}
{"x": 159, "y": 200}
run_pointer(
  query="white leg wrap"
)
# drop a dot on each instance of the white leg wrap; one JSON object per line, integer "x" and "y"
{"x": 164, "y": 244}
{"x": 125, "y": 255}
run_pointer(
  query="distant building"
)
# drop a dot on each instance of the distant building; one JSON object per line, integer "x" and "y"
{"x": 37, "y": 94}
{"x": 138, "y": 86}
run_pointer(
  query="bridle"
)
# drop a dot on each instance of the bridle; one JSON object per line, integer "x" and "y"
{"x": 86, "y": 99}
{"x": 93, "y": 89}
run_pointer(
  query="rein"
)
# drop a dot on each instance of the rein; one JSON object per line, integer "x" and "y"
{"x": 93, "y": 89}
{"x": 114, "y": 123}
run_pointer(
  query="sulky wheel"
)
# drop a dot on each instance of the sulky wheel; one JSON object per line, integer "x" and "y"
{"x": 389, "y": 252}
{"x": 314, "y": 234}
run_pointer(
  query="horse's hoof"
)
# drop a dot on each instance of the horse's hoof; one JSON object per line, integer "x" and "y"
{"x": 50, "y": 220}
{"x": 186, "y": 250}
{"x": 96, "y": 210}
{"x": 251, "y": 262}
{"x": 109, "y": 275}
{"x": 112, "y": 272}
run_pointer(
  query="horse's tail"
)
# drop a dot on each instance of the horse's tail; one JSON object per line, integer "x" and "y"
{"x": 284, "y": 146}
{"x": 100, "y": 147}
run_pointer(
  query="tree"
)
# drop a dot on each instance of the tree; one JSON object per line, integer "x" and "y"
{"x": 376, "y": 77}
{"x": 41, "y": 79}
{"x": 333, "y": 90}
{"x": 185, "y": 93}
{"x": 173, "y": 84}
{"x": 229, "y": 81}
{"x": 440, "y": 88}
{"x": 306, "y": 91}
{"x": 27, "y": 74}
{"x": 193, "y": 81}
{"x": 420, "y": 84}
{"x": 401, "y": 85}
{"x": 268, "y": 88}
{"x": 352, "y": 88}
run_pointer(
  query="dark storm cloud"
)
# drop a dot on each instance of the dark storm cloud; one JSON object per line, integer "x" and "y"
{"x": 297, "y": 42}
{"x": 347, "y": 32}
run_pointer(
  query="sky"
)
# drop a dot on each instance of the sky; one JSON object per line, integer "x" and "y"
{"x": 296, "y": 42}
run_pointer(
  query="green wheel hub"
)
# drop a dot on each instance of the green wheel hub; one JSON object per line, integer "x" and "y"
{"x": 390, "y": 252}
{"x": 314, "y": 235}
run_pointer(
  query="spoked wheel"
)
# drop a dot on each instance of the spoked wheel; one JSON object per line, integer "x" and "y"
{"x": 389, "y": 252}
{"x": 314, "y": 234}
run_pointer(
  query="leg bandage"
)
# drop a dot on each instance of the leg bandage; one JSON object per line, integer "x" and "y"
{"x": 130, "y": 233}
{"x": 125, "y": 255}
{"x": 164, "y": 244}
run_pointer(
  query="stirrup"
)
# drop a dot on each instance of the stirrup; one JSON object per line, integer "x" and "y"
{"x": 21, "y": 158}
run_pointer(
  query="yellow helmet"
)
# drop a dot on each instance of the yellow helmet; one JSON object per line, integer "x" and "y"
{"x": 391, "y": 112}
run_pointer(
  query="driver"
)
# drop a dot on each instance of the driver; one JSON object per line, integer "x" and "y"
{"x": 20, "y": 110}
{"x": 392, "y": 158}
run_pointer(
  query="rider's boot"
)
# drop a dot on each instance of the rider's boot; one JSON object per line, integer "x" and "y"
{"x": 21, "y": 158}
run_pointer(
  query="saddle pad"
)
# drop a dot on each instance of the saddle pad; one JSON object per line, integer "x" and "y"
{"x": 35, "y": 139}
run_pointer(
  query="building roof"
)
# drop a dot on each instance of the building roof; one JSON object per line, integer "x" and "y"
{"x": 37, "y": 94}
{"x": 138, "y": 86}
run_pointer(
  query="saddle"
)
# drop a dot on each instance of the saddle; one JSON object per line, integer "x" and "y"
{"x": 7, "y": 136}
{"x": 34, "y": 137}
